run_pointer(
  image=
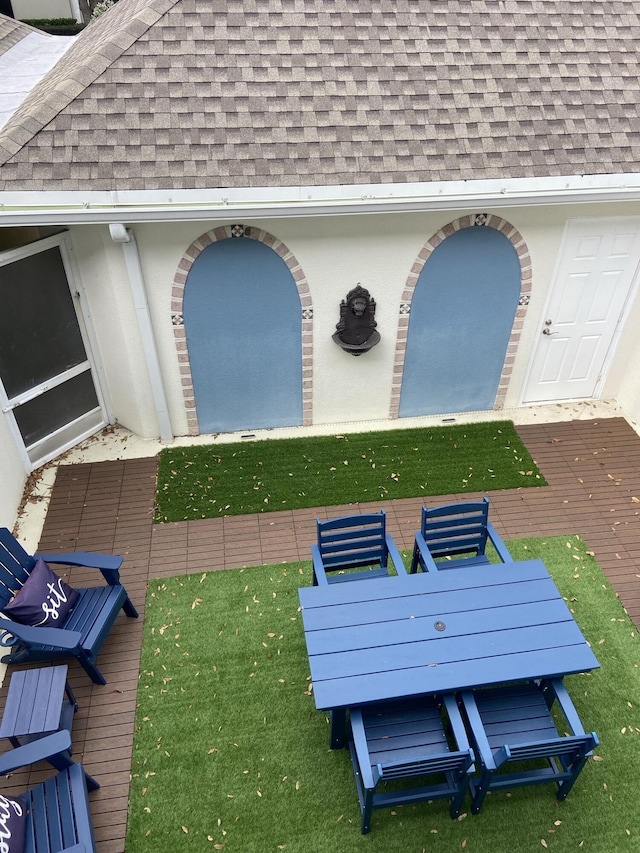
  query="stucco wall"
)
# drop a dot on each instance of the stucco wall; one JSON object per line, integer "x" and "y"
{"x": 109, "y": 302}
{"x": 13, "y": 477}
{"x": 334, "y": 253}
{"x": 623, "y": 382}
{"x": 35, "y": 9}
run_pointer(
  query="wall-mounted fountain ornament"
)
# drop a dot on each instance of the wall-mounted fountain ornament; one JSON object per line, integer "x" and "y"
{"x": 356, "y": 332}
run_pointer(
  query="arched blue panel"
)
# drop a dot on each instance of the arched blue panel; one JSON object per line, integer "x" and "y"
{"x": 243, "y": 323}
{"x": 461, "y": 316}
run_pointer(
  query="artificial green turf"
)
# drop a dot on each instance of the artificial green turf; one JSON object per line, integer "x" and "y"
{"x": 231, "y": 754}
{"x": 263, "y": 476}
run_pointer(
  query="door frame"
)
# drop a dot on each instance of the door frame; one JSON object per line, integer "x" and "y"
{"x": 615, "y": 338}
{"x": 89, "y": 339}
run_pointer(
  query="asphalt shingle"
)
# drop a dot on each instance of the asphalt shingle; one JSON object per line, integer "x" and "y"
{"x": 324, "y": 92}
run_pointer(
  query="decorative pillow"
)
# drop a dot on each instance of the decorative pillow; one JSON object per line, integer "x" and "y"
{"x": 44, "y": 600}
{"x": 13, "y": 824}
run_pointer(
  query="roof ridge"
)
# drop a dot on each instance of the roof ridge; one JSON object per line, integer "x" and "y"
{"x": 100, "y": 44}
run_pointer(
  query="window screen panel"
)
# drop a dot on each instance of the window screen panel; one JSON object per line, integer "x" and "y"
{"x": 56, "y": 408}
{"x": 39, "y": 333}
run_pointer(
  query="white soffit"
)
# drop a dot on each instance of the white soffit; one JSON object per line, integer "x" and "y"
{"x": 129, "y": 206}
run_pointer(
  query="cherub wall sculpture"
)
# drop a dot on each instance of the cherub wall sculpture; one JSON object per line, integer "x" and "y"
{"x": 356, "y": 331}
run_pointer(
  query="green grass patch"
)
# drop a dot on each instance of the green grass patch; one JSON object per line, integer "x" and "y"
{"x": 263, "y": 476}
{"x": 230, "y": 753}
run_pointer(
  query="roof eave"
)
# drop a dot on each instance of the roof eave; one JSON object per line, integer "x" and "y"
{"x": 130, "y": 206}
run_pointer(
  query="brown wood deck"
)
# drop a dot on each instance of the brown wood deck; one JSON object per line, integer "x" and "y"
{"x": 593, "y": 470}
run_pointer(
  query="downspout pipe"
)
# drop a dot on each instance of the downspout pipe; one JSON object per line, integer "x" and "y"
{"x": 75, "y": 11}
{"x": 125, "y": 236}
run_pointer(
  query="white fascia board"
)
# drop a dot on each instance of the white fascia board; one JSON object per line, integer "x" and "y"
{"x": 129, "y": 206}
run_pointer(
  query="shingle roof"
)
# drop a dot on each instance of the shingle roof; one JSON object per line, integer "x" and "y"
{"x": 12, "y": 31}
{"x": 179, "y": 94}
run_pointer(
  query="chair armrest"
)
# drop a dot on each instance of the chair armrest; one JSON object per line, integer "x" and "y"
{"x": 59, "y": 637}
{"x": 396, "y": 556}
{"x": 318, "y": 567}
{"x": 36, "y": 750}
{"x": 107, "y": 564}
{"x": 420, "y": 547}
{"x": 498, "y": 544}
{"x": 559, "y": 692}
{"x": 455, "y": 718}
{"x": 84, "y": 558}
{"x": 359, "y": 744}
{"x": 478, "y": 733}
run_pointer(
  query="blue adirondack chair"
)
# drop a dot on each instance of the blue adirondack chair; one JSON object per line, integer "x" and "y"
{"x": 514, "y": 725}
{"x": 354, "y": 542}
{"x": 455, "y": 535}
{"x": 407, "y": 739}
{"x": 85, "y": 629}
{"x": 58, "y": 818}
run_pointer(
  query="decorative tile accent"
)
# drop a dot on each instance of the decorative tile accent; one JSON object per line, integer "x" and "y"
{"x": 177, "y": 318}
{"x": 487, "y": 220}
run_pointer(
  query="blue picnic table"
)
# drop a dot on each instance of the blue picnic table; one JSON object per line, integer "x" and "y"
{"x": 436, "y": 632}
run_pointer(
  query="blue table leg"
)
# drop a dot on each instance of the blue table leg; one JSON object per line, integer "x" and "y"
{"x": 338, "y": 722}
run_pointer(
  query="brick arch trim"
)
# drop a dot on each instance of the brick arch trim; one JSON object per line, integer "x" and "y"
{"x": 484, "y": 220}
{"x": 226, "y": 232}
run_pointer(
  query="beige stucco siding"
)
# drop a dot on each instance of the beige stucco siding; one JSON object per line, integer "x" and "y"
{"x": 334, "y": 253}
{"x": 13, "y": 477}
{"x": 112, "y": 313}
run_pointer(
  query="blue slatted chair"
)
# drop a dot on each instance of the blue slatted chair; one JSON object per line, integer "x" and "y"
{"x": 514, "y": 724}
{"x": 455, "y": 535}
{"x": 84, "y": 630}
{"x": 59, "y": 818}
{"x": 407, "y": 739}
{"x": 354, "y": 542}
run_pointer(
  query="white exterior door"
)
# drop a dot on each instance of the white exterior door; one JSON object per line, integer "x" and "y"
{"x": 596, "y": 273}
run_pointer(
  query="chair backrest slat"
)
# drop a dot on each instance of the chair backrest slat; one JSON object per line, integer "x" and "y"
{"x": 451, "y": 761}
{"x": 15, "y": 565}
{"x": 577, "y": 744}
{"x": 456, "y": 528}
{"x": 353, "y": 541}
